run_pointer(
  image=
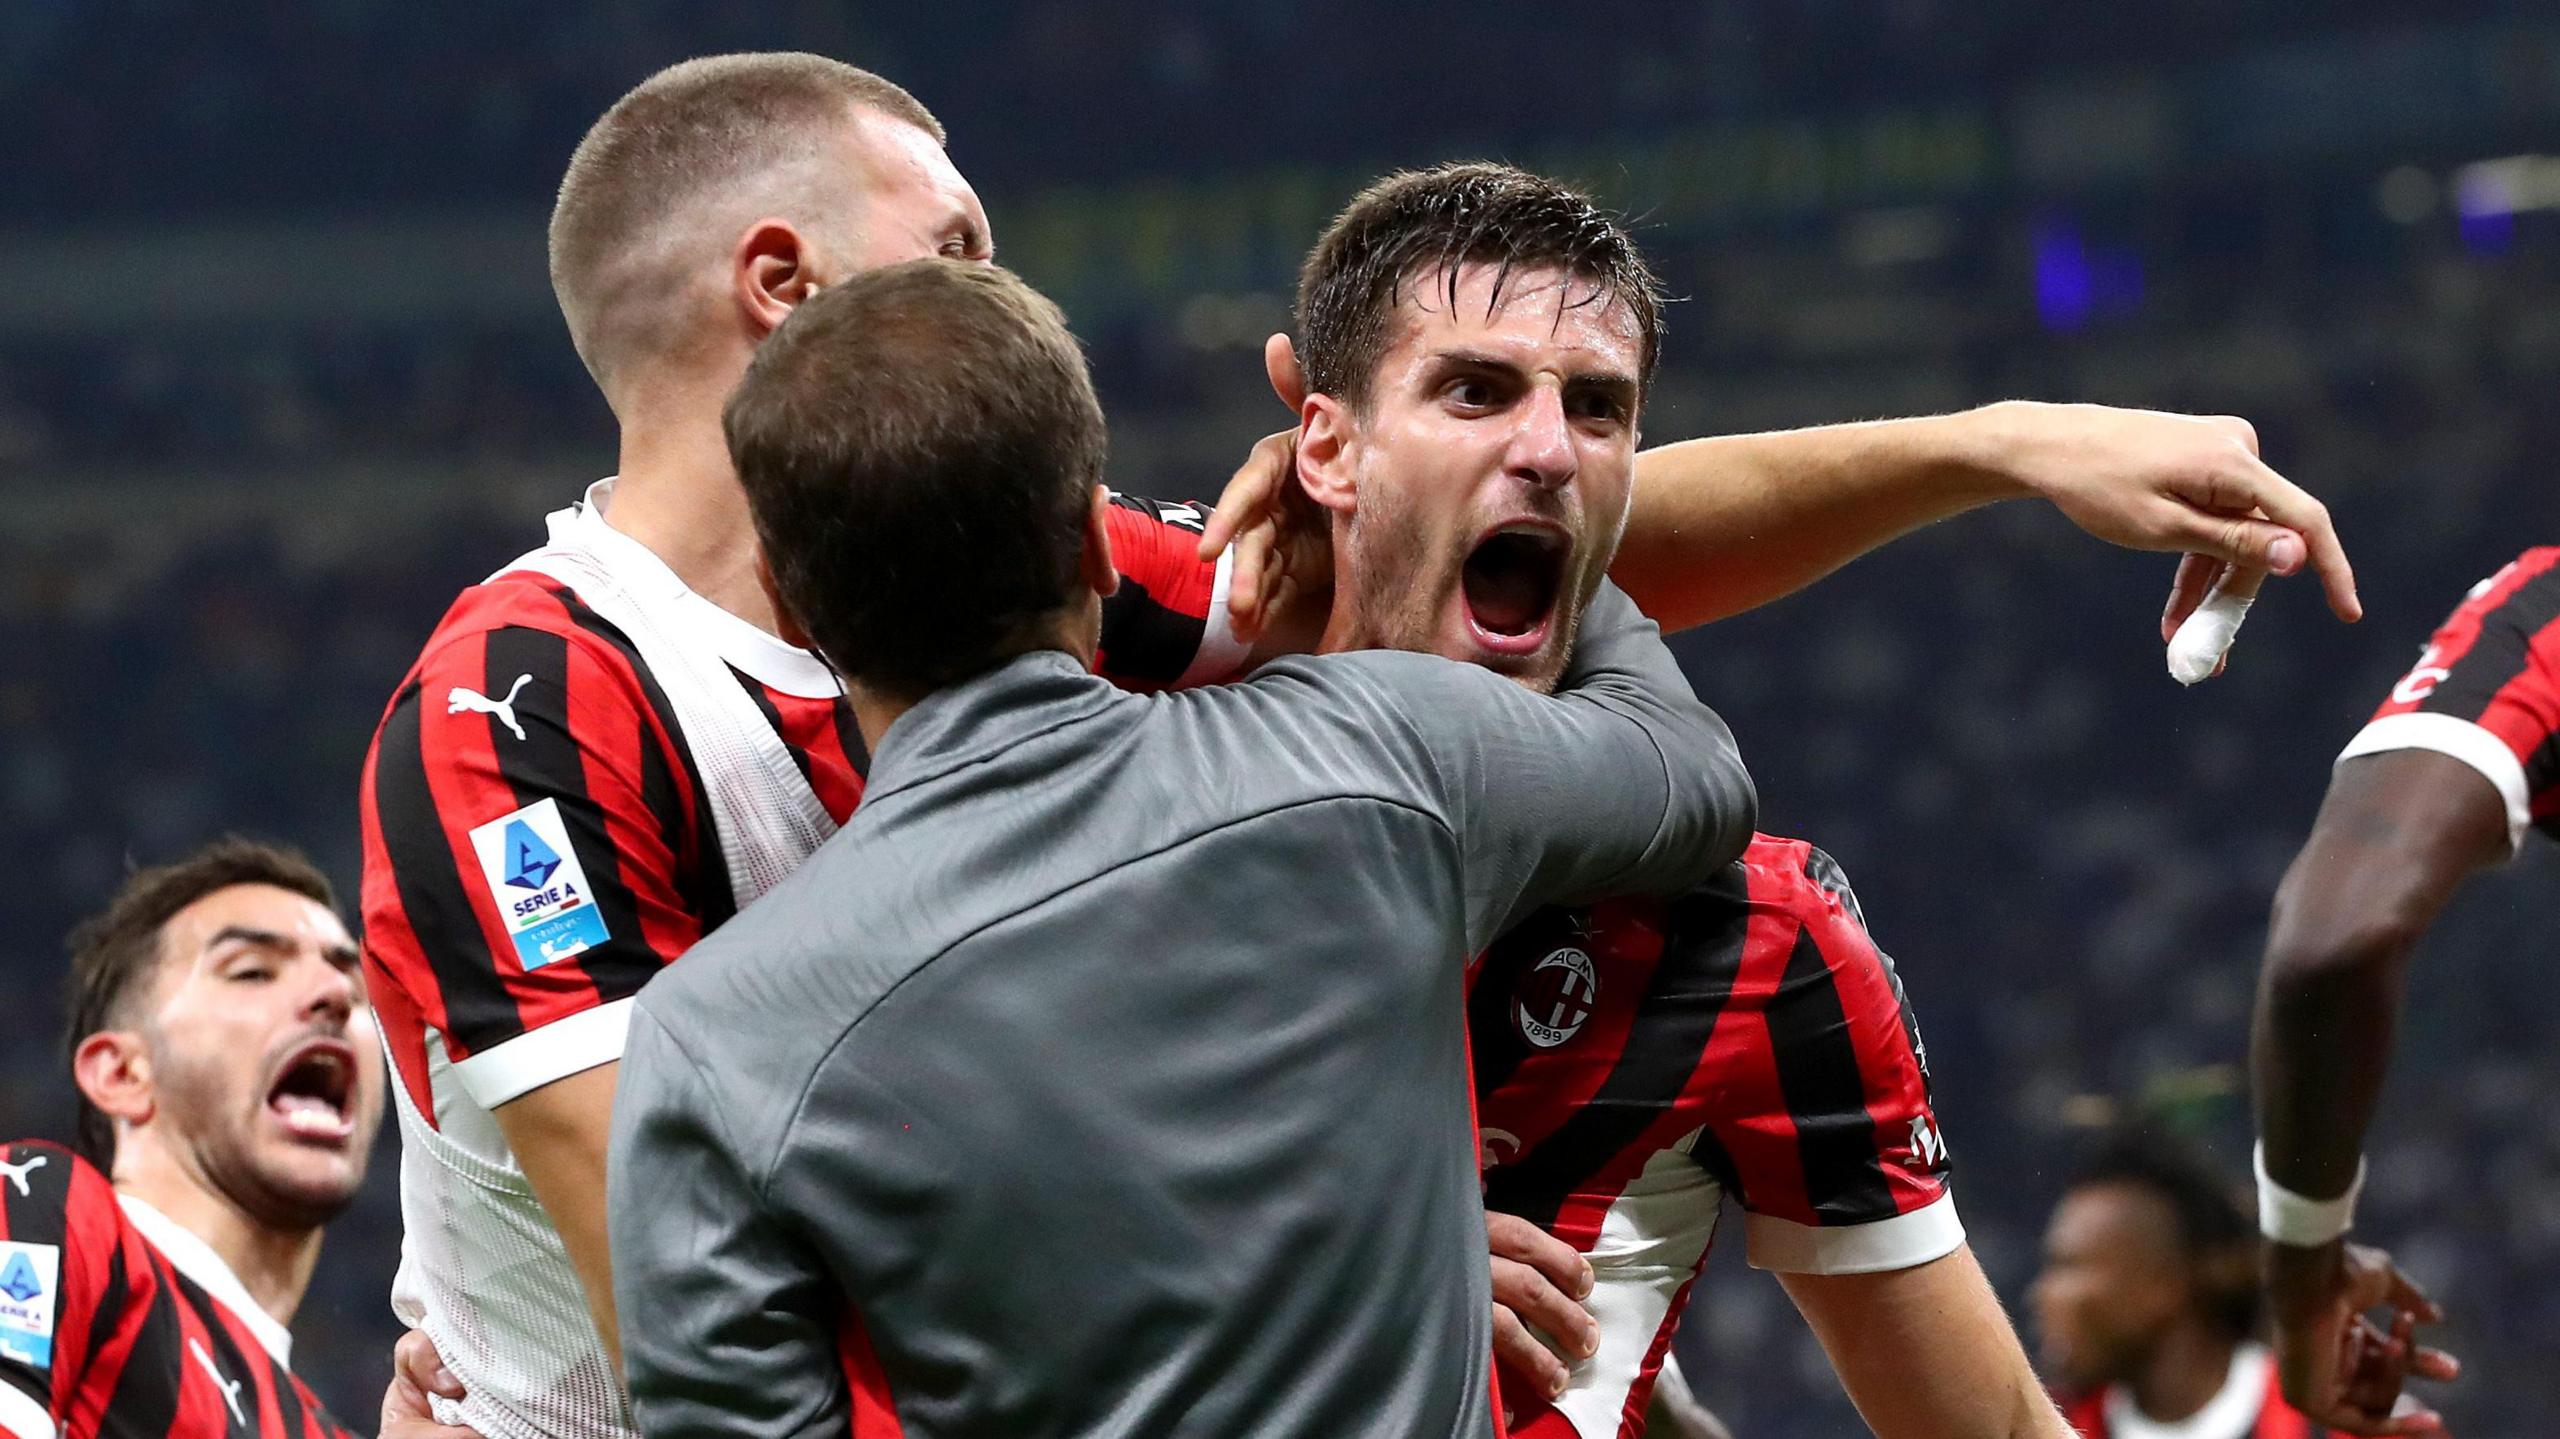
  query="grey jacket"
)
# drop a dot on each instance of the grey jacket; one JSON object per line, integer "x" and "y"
{"x": 1106, "y": 1074}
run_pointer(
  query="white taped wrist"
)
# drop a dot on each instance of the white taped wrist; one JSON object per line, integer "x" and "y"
{"x": 2290, "y": 1218}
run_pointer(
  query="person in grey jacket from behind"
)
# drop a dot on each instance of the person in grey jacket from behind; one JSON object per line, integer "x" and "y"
{"x": 1106, "y": 1074}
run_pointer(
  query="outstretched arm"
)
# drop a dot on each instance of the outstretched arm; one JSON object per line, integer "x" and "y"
{"x": 1726, "y": 524}
{"x": 1926, "y": 1352}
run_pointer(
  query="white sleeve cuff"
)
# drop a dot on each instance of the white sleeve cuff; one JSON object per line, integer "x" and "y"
{"x": 2463, "y": 740}
{"x": 538, "y": 1056}
{"x": 1902, "y": 1242}
{"x": 22, "y": 1416}
{"x": 1220, "y": 654}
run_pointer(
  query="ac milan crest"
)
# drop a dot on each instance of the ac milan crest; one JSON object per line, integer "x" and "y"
{"x": 1556, "y": 997}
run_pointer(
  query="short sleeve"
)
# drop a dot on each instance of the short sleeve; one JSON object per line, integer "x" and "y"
{"x": 1844, "y": 1171}
{"x": 534, "y": 850}
{"x": 1167, "y": 627}
{"x": 2486, "y": 691}
{"x": 59, "y": 1230}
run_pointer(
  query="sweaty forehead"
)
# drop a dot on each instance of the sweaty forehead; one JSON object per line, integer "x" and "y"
{"x": 1535, "y": 315}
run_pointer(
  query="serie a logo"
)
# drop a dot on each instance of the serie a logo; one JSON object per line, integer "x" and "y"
{"x": 1555, "y": 998}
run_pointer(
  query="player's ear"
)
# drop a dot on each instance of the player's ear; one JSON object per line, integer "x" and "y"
{"x": 1099, "y": 572}
{"x": 786, "y": 625}
{"x": 113, "y": 1070}
{"x": 1325, "y": 454}
{"x": 770, "y": 274}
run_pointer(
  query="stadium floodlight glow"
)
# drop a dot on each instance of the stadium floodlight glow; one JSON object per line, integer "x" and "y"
{"x": 2508, "y": 186}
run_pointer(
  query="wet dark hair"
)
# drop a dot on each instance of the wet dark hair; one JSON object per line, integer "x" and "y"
{"x": 1409, "y": 223}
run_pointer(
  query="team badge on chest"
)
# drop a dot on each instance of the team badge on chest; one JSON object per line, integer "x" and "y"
{"x": 1555, "y": 998}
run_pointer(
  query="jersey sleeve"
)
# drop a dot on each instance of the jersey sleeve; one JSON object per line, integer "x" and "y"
{"x": 2486, "y": 691}
{"x": 535, "y": 849}
{"x": 1845, "y": 1171}
{"x": 1167, "y": 627}
{"x": 59, "y": 1236}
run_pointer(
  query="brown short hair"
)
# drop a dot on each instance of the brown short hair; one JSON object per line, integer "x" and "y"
{"x": 1453, "y": 215}
{"x": 115, "y": 953}
{"x": 919, "y": 445}
{"x": 705, "y": 122}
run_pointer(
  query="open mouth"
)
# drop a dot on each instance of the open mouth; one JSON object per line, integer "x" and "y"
{"x": 314, "y": 1095}
{"x": 1511, "y": 581}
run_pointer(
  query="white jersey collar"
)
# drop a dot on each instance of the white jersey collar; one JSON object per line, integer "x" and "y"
{"x": 2230, "y": 1414}
{"x": 748, "y": 648}
{"x": 195, "y": 1259}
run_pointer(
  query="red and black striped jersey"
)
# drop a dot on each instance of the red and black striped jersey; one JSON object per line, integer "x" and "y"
{"x": 1638, "y": 1059}
{"x": 525, "y": 702}
{"x": 2250, "y": 1405}
{"x": 2486, "y": 691}
{"x": 115, "y": 1322}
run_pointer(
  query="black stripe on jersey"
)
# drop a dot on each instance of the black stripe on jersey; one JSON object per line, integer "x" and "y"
{"x": 289, "y": 1407}
{"x": 546, "y": 764}
{"x": 145, "y": 1397}
{"x": 112, "y": 1301}
{"x": 773, "y": 720}
{"x": 1701, "y": 956}
{"x": 478, "y": 1010}
{"x": 1147, "y": 643}
{"x": 1498, "y": 1046}
{"x": 1826, "y": 1092}
{"x": 2502, "y": 650}
{"x": 228, "y": 1357}
{"x": 704, "y": 884}
{"x": 42, "y": 1215}
{"x": 849, "y": 735}
{"x": 1825, "y": 871}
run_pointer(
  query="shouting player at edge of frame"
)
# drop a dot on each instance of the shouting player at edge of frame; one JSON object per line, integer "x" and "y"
{"x": 663, "y": 770}
{"x": 230, "y": 1086}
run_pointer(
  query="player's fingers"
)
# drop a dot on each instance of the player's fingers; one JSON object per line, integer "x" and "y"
{"x": 2238, "y": 539}
{"x": 414, "y": 1359}
{"x": 1250, "y": 492}
{"x": 2196, "y": 574}
{"x": 2404, "y": 1294}
{"x": 2253, "y": 485}
{"x": 1512, "y": 1237}
{"x": 1519, "y": 1355}
{"x": 1250, "y": 572}
{"x": 2434, "y": 1365}
{"x": 1280, "y": 363}
{"x": 1538, "y": 1303}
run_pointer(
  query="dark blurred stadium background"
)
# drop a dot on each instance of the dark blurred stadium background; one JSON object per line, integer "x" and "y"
{"x": 279, "y": 372}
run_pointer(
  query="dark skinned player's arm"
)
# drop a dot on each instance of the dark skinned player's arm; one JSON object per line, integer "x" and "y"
{"x": 2398, "y": 834}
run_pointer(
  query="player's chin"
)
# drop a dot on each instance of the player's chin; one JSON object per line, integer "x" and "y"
{"x": 311, "y": 1182}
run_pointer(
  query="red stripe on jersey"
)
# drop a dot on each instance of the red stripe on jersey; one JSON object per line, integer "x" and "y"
{"x": 875, "y": 1411}
{"x": 1631, "y": 1419}
{"x": 612, "y": 736}
{"x": 1758, "y": 1132}
{"x": 2455, "y": 639}
{"x": 2495, "y": 662}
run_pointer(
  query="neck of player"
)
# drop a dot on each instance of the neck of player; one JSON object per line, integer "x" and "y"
{"x": 2186, "y": 1369}
{"x": 273, "y": 1263}
{"x": 677, "y": 493}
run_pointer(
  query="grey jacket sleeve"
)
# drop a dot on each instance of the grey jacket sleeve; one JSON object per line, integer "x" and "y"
{"x": 1620, "y": 782}
{"x": 729, "y": 1324}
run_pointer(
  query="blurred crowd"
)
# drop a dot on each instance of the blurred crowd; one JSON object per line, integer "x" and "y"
{"x": 225, "y": 546}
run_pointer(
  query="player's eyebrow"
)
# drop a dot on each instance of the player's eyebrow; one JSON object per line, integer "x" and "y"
{"x": 344, "y": 956}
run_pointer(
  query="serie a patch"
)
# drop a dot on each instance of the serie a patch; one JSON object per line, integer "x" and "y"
{"x": 541, "y": 890}
{"x": 30, "y": 1278}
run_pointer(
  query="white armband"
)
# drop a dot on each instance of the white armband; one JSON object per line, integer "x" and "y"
{"x": 2290, "y": 1218}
